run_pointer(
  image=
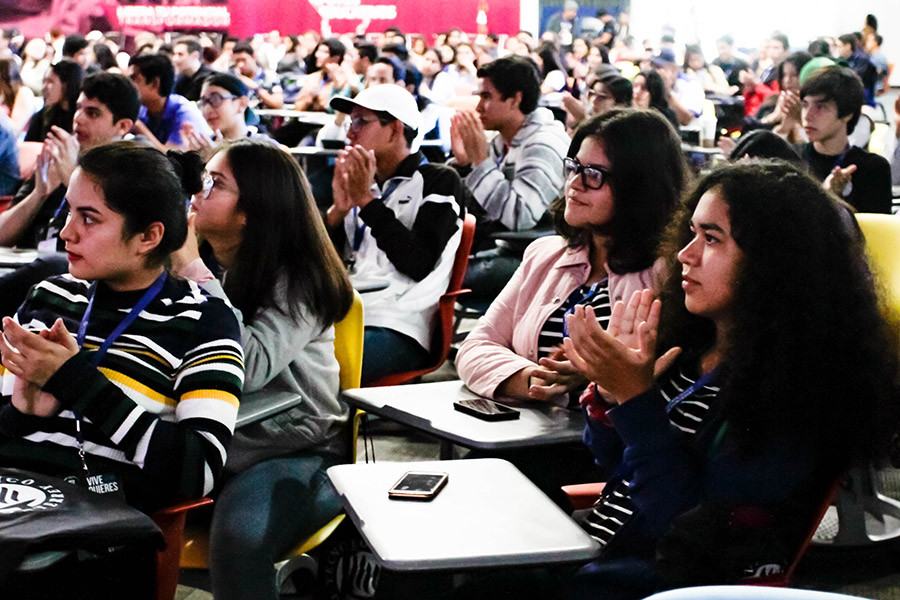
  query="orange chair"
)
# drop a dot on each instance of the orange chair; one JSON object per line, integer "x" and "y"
{"x": 583, "y": 496}
{"x": 443, "y": 335}
{"x": 171, "y": 521}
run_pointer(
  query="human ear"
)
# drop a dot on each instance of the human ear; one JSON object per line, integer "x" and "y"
{"x": 123, "y": 126}
{"x": 150, "y": 238}
{"x": 517, "y": 100}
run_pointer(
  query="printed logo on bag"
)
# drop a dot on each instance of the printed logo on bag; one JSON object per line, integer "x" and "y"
{"x": 26, "y": 495}
{"x": 351, "y": 572}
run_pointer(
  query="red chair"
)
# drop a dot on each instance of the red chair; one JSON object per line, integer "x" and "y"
{"x": 171, "y": 521}
{"x": 443, "y": 335}
{"x": 583, "y": 496}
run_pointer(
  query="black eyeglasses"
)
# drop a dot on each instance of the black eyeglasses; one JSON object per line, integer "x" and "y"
{"x": 592, "y": 176}
{"x": 214, "y": 99}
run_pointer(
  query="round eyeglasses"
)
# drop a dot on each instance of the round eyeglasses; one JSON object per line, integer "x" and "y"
{"x": 214, "y": 100}
{"x": 592, "y": 176}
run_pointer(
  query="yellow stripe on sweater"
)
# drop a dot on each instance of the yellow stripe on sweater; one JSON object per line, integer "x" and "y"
{"x": 211, "y": 395}
{"x": 137, "y": 386}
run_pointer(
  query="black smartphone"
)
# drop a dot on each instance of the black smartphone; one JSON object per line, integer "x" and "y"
{"x": 486, "y": 409}
{"x": 418, "y": 485}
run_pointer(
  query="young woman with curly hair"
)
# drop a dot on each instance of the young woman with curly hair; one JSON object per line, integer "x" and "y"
{"x": 777, "y": 372}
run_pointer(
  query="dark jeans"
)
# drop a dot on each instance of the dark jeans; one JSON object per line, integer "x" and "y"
{"x": 487, "y": 274}
{"x": 386, "y": 352}
{"x": 263, "y": 512}
{"x": 14, "y": 286}
{"x": 550, "y": 468}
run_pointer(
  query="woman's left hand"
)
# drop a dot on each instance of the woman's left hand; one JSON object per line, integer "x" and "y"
{"x": 557, "y": 375}
{"x": 35, "y": 357}
{"x": 29, "y": 399}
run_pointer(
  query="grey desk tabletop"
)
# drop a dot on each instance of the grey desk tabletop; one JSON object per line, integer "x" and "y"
{"x": 488, "y": 514}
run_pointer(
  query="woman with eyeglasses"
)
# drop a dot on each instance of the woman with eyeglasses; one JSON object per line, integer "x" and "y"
{"x": 224, "y": 103}
{"x": 625, "y": 171}
{"x": 266, "y": 251}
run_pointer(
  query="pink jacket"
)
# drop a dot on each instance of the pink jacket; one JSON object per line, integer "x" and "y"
{"x": 505, "y": 340}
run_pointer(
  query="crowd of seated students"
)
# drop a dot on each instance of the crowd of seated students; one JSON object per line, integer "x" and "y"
{"x": 533, "y": 136}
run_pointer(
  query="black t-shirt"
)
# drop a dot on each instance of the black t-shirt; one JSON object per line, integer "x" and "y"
{"x": 732, "y": 70}
{"x": 50, "y": 219}
{"x": 869, "y": 190}
{"x": 190, "y": 86}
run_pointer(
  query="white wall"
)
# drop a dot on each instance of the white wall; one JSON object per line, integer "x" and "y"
{"x": 751, "y": 22}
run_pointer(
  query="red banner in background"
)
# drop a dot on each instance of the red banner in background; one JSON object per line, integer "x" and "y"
{"x": 370, "y": 16}
{"x": 244, "y": 18}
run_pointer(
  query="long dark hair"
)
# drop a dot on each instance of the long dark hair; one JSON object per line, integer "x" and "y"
{"x": 809, "y": 351}
{"x": 284, "y": 238}
{"x": 657, "y": 89}
{"x": 648, "y": 173}
{"x": 70, "y": 74}
{"x": 10, "y": 82}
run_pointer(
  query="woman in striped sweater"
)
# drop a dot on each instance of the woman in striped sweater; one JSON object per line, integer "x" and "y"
{"x": 138, "y": 369}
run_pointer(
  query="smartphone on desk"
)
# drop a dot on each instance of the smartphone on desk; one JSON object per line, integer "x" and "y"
{"x": 418, "y": 485}
{"x": 485, "y": 409}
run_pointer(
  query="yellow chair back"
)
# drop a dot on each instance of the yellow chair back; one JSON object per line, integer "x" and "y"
{"x": 348, "y": 349}
{"x": 882, "y": 233}
{"x": 348, "y": 344}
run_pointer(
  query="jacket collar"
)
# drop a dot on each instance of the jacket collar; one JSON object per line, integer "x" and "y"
{"x": 408, "y": 166}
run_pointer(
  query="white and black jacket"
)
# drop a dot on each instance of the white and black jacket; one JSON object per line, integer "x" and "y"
{"x": 408, "y": 236}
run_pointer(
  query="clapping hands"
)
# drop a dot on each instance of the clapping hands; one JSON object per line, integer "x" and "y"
{"x": 33, "y": 358}
{"x": 467, "y": 138}
{"x": 622, "y": 359}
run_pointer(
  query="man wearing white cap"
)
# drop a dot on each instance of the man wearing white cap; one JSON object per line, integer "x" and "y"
{"x": 398, "y": 218}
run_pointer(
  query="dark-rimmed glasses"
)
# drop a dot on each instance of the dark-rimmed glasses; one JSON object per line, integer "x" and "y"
{"x": 214, "y": 99}
{"x": 592, "y": 176}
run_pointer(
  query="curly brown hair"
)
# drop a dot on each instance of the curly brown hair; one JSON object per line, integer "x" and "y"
{"x": 810, "y": 351}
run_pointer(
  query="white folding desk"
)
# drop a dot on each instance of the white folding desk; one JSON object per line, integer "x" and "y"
{"x": 310, "y": 117}
{"x": 487, "y": 515}
{"x": 429, "y": 408}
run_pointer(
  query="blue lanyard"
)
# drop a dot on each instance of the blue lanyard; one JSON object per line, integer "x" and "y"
{"x": 593, "y": 291}
{"x": 702, "y": 381}
{"x": 839, "y": 162}
{"x": 360, "y": 230}
{"x": 59, "y": 208}
{"x": 145, "y": 301}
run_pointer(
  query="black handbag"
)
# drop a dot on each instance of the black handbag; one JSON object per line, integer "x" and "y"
{"x": 39, "y": 513}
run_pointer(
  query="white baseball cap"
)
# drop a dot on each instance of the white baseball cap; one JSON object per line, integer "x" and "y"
{"x": 386, "y": 97}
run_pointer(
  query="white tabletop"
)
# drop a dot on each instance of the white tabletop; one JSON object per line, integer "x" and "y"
{"x": 488, "y": 514}
{"x": 311, "y": 117}
{"x": 429, "y": 407}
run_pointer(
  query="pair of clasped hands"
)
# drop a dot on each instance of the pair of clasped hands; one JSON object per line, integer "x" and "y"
{"x": 354, "y": 176}
{"x": 56, "y": 161}
{"x": 620, "y": 360}
{"x": 33, "y": 358}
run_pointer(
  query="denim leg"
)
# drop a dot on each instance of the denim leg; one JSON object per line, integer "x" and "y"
{"x": 386, "y": 351}
{"x": 260, "y": 514}
{"x": 487, "y": 274}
